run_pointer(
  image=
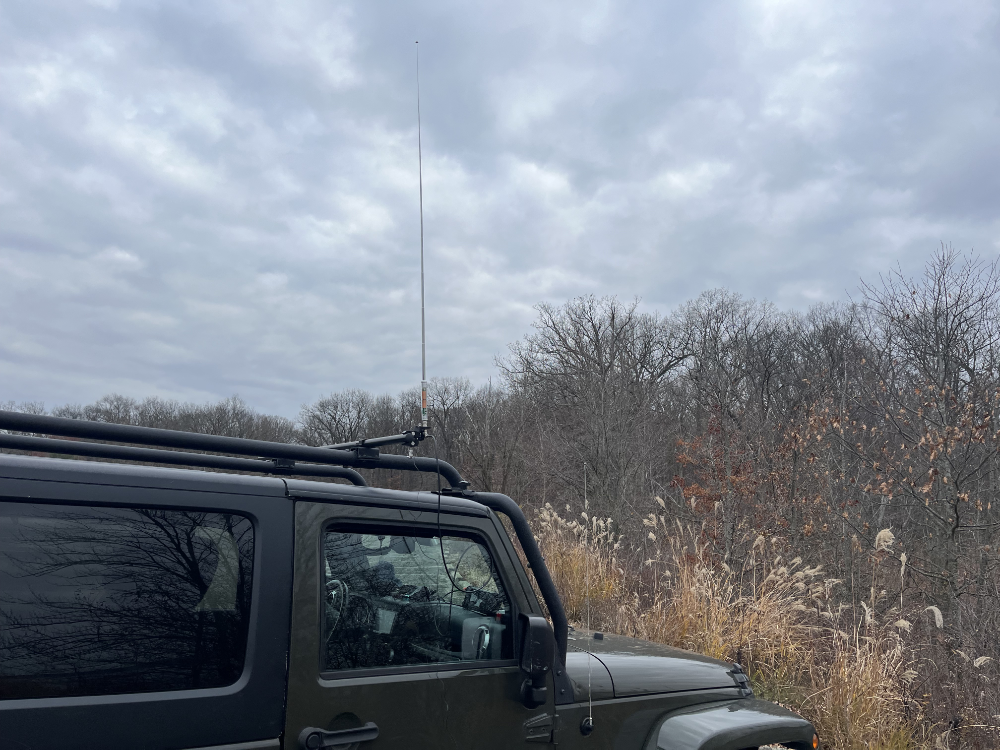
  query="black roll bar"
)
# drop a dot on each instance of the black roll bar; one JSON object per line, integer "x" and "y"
{"x": 121, "y": 433}
{"x": 180, "y": 458}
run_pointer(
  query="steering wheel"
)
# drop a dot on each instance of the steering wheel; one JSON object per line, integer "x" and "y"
{"x": 336, "y": 602}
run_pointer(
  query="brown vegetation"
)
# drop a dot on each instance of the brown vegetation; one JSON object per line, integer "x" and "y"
{"x": 853, "y": 677}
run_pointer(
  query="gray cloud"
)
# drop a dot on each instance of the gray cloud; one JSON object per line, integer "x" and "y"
{"x": 205, "y": 198}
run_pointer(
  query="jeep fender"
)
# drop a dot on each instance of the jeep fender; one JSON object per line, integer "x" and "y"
{"x": 731, "y": 725}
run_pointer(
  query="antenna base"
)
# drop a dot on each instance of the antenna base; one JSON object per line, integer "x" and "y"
{"x": 368, "y": 448}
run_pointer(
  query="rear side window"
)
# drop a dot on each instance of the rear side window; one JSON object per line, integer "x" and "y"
{"x": 95, "y": 601}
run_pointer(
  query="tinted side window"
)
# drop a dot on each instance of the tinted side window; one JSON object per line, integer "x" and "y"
{"x": 403, "y": 599}
{"x": 121, "y": 600}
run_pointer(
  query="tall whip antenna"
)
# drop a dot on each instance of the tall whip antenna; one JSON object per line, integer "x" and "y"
{"x": 423, "y": 321}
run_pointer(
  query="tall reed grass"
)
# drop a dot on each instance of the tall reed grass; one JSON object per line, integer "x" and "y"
{"x": 853, "y": 677}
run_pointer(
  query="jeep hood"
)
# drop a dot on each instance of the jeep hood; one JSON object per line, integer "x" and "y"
{"x": 619, "y": 667}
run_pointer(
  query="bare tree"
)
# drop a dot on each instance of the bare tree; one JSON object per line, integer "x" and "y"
{"x": 744, "y": 379}
{"x": 493, "y": 451}
{"x": 932, "y": 412}
{"x": 594, "y": 372}
{"x": 231, "y": 417}
{"x": 337, "y": 418}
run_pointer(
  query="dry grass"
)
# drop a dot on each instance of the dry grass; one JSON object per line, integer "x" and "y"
{"x": 849, "y": 675}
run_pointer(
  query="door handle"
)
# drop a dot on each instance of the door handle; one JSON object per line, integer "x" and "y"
{"x": 312, "y": 738}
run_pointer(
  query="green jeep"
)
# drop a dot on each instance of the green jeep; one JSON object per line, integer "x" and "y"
{"x": 151, "y": 608}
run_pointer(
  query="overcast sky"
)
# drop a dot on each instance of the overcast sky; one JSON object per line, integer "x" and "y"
{"x": 201, "y": 198}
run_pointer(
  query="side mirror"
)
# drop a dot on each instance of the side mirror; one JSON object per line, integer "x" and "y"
{"x": 537, "y": 648}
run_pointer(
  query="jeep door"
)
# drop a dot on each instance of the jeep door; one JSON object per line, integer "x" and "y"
{"x": 404, "y": 622}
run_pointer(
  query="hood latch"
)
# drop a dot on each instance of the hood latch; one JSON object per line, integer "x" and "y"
{"x": 742, "y": 681}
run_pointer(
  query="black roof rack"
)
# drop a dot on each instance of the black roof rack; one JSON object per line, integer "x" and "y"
{"x": 272, "y": 458}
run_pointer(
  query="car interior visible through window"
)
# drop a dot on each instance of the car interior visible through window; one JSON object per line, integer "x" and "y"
{"x": 398, "y": 599}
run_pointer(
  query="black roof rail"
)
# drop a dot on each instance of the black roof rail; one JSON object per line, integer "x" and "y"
{"x": 177, "y": 458}
{"x": 291, "y": 455}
